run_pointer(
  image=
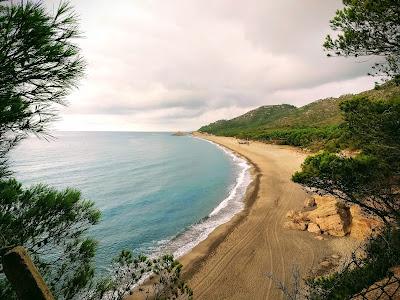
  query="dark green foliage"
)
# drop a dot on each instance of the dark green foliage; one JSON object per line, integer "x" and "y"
{"x": 370, "y": 178}
{"x": 261, "y": 124}
{"x": 262, "y": 116}
{"x": 351, "y": 179}
{"x": 52, "y": 226}
{"x": 301, "y": 137}
{"x": 374, "y": 127}
{"x": 313, "y": 138}
{"x": 366, "y": 28}
{"x": 39, "y": 64}
{"x": 314, "y": 126}
{"x": 129, "y": 269}
{"x": 368, "y": 265}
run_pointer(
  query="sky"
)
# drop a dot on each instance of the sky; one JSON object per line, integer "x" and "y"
{"x": 179, "y": 64}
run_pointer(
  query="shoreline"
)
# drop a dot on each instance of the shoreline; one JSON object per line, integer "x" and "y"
{"x": 198, "y": 254}
{"x": 232, "y": 261}
{"x": 193, "y": 258}
{"x": 225, "y": 210}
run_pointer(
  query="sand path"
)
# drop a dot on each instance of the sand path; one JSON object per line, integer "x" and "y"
{"x": 233, "y": 261}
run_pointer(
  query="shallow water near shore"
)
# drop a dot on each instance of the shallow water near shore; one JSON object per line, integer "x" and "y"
{"x": 157, "y": 192}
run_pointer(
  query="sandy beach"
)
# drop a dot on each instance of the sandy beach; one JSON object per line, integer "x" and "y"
{"x": 232, "y": 262}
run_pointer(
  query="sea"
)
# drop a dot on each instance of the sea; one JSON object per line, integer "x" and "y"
{"x": 158, "y": 193}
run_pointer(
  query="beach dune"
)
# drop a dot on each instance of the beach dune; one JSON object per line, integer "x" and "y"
{"x": 233, "y": 261}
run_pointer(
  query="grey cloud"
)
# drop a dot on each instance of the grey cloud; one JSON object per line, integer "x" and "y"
{"x": 196, "y": 61}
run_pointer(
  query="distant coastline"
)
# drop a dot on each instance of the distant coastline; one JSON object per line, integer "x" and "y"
{"x": 180, "y": 133}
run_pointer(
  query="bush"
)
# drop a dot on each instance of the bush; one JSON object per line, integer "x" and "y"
{"x": 314, "y": 138}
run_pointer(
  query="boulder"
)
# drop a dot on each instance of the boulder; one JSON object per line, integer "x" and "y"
{"x": 290, "y": 214}
{"x": 297, "y": 216}
{"x": 325, "y": 263}
{"x": 331, "y": 216}
{"x": 313, "y": 228}
{"x": 301, "y": 217}
{"x": 295, "y": 225}
{"x": 362, "y": 226}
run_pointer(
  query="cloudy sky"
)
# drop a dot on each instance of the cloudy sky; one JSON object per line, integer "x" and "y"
{"x": 178, "y": 64}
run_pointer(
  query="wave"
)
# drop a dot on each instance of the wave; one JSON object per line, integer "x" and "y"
{"x": 225, "y": 210}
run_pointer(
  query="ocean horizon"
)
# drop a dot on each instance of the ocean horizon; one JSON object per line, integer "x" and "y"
{"x": 158, "y": 193}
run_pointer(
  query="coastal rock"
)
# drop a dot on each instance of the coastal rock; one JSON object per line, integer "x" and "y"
{"x": 297, "y": 216}
{"x": 328, "y": 216}
{"x": 290, "y": 214}
{"x": 331, "y": 216}
{"x": 313, "y": 228}
{"x": 362, "y": 226}
{"x": 325, "y": 263}
{"x": 309, "y": 202}
{"x": 295, "y": 225}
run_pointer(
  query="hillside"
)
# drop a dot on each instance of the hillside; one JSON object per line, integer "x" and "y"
{"x": 308, "y": 125}
{"x": 264, "y": 116}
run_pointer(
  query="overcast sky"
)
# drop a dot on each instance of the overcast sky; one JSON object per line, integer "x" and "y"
{"x": 176, "y": 65}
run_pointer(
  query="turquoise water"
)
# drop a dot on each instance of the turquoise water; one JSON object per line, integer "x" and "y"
{"x": 157, "y": 192}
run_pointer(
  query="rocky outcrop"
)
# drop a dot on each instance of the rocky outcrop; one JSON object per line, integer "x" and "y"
{"x": 297, "y": 221}
{"x": 362, "y": 226}
{"x": 331, "y": 216}
{"x": 327, "y": 215}
{"x": 295, "y": 225}
{"x": 309, "y": 202}
{"x": 313, "y": 228}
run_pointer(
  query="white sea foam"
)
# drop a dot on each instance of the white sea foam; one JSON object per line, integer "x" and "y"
{"x": 224, "y": 212}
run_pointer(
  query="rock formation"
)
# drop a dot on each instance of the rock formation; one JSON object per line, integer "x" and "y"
{"x": 295, "y": 225}
{"x": 313, "y": 228}
{"x": 327, "y": 215}
{"x": 362, "y": 226}
{"x": 331, "y": 216}
{"x": 310, "y": 202}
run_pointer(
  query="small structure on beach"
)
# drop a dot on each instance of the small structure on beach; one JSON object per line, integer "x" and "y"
{"x": 244, "y": 142}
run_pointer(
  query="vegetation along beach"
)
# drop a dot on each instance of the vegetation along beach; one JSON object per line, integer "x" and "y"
{"x": 199, "y": 150}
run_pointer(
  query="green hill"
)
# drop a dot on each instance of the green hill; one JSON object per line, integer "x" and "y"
{"x": 263, "y": 116}
{"x": 311, "y": 125}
